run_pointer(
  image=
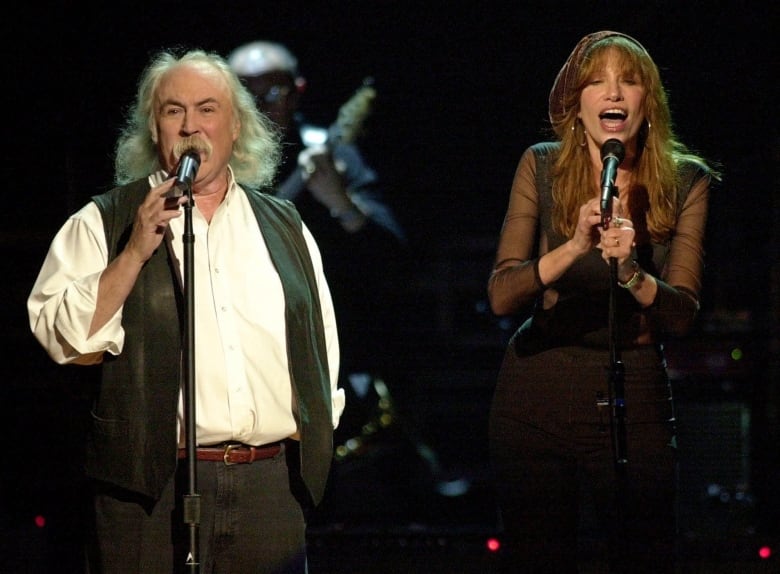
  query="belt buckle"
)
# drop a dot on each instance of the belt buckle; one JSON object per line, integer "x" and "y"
{"x": 226, "y": 456}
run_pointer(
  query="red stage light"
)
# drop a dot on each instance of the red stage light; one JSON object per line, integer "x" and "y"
{"x": 765, "y": 552}
{"x": 493, "y": 544}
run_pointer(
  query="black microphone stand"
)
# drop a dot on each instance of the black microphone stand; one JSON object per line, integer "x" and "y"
{"x": 616, "y": 377}
{"x": 191, "y": 499}
{"x": 612, "y": 154}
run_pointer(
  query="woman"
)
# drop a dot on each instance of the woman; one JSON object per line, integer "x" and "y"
{"x": 558, "y": 482}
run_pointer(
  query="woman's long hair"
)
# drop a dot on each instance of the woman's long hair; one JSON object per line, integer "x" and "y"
{"x": 658, "y": 150}
{"x": 256, "y": 151}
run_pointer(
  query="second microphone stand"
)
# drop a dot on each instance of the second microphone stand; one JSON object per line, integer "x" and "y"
{"x": 191, "y": 499}
{"x": 616, "y": 376}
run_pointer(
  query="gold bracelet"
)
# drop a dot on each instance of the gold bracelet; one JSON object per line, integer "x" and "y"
{"x": 635, "y": 278}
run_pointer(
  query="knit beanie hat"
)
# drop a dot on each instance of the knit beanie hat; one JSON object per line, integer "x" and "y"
{"x": 566, "y": 79}
{"x": 257, "y": 58}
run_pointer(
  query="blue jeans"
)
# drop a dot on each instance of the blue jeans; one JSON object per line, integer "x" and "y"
{"x": 251, "y": 521}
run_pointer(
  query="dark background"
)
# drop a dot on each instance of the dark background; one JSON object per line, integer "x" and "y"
{"x": 461, "y": 93}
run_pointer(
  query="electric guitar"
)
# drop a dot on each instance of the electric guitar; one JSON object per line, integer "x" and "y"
{"x": 347, "y": 127}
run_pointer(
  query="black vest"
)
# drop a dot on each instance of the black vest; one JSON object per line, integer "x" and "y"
{"x": 133, "y": 443}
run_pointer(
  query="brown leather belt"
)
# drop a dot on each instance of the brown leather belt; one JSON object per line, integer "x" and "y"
{"x": 235, "y": 453}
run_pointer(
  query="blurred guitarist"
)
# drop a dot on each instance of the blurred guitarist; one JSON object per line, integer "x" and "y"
{"x": 333, "y": 173}
{"x": 365, "y": 257}
{"x": 338, "y": 196}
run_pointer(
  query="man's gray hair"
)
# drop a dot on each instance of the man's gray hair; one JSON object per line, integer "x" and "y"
{"x": 256, "y": 151}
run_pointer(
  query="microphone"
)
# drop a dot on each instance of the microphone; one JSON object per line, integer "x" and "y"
{"x": 189, "y": 162}
{"x": 612, "y": 153}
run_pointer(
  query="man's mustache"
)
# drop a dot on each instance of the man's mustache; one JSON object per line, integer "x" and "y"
{"x": 192, "y": 143}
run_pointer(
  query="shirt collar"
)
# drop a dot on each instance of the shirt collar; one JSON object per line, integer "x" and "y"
{"x": 161, "y": 175}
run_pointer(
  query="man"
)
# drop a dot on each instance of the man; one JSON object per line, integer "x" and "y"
{"x": 266, "y": 354}
{"x": 330, "y": 170}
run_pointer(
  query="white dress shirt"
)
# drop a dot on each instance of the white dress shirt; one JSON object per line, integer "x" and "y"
{"x": 242, "y": 379}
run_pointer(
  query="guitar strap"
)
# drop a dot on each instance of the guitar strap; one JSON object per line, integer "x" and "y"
{"x": 291, "y": 187}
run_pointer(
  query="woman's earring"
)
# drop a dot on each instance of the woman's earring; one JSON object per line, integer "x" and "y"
{"x": 644, "y": 133}
{"x": 584, "y": 141}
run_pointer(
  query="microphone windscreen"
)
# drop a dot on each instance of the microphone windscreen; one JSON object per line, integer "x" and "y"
{"x": 615, "y": 148}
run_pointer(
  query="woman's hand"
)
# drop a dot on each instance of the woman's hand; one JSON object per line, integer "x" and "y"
{"x": 617, "y": 240}
{"x": 586, "y": 234}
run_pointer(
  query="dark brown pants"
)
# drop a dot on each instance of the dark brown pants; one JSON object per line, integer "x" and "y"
{"x": 561, "y": 499}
